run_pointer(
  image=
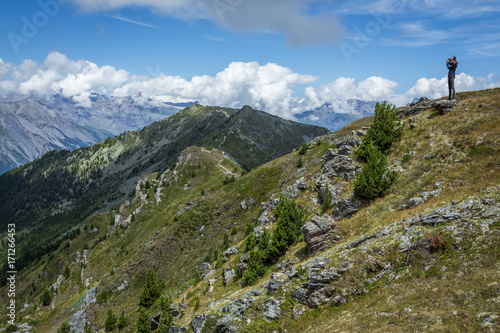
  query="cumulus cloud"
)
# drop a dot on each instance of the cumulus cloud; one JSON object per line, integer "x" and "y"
{"x": 268, "y": 87}
{"x": 292, "y": 18}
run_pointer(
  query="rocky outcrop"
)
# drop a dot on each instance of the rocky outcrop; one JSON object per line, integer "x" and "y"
{"x": 238, "y": 306}
{"x": 198, "y": 323}
{"x": 346, "y": 207}
{"x": 227, "y": 275}
{"x": 318, "y": 233}
{"x": 225, "y": 324}
{"x": 272, "y": 308}
{"x": 445, "y": 106}
{"x": 79, "y": 319}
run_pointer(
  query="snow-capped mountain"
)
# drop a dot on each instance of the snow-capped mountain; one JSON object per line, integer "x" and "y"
{"x": 337, "y": 115}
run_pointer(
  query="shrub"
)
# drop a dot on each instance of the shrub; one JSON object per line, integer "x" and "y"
{"x": 250, "y": 242}
{"x": 228, "y": 180}
{"x": 12, "y": 328}
{"x": 255, "y": 269}
{"x": 385, "y": 130}
{"x": 375, "y": 179}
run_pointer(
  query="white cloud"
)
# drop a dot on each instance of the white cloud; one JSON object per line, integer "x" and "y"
{"x": 268, "y": 87}
{"x": 287, "y": 17}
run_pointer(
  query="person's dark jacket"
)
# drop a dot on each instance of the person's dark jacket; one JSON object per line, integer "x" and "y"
{"x": 452, "y": 66}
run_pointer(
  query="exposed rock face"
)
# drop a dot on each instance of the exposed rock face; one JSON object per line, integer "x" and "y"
{"x": 198, "y": 323}
{"x": 79, "y": 319}
{"x": 422, "y": 105}
{"x": 229, "y": 252}
{"x": 318, "y": 233}
{"x": 204, "y": 268}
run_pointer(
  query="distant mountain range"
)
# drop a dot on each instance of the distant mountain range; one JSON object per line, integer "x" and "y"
{"x": 30, "y": 126}
{"x": 336, "y": 115}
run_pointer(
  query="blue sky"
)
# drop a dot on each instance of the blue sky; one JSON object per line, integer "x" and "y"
{"x": 322, "y": 50}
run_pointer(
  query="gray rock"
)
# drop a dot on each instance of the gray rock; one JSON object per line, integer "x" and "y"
{"x": 238, "y": 306}
{"x": 225, "y": 324}
{"x": 291, "y": 191}
{"x": 323, "y": 277}
{"x": 414, "y": 202}
{"x": 297, "y": 312}
{"x": 300, "y": 294}
{"x": 174, "y": 309}
{"x": 154, "y": 321}
{"x": 445, "y": 106}
{"x": 272, "y": 309}
{"x": 243, "y": 205}
{"x": 334, "y": 192}
{"x": 320, "y": 297}
{"x": 438, "y": 216}
{"x": 229, "y": 252}
{"x": 318, "y": 233}
{"x": 258, "y": 231}
{"x": 227, "y": 276}
{"x": 276, "y": 281}
{"x": 198, "y": 323}
{"x": 345, "y": 208}
{"x": 330, "y": 154}
{"x": 203, "y": 269}
{"x": 174, "y": 329}
{"x": 337, "y": 166}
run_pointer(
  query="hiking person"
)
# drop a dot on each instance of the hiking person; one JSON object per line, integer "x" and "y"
{"x": 451, "y": 64}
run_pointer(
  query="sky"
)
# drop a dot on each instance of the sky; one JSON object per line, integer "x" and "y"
{"x": 282, "y": 56}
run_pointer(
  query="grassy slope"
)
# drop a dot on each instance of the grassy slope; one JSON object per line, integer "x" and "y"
{"x": 465, "y": 144}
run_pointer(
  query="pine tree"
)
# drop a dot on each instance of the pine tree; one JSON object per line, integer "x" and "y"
{"x": 255, "y": 268}
{"x": 152, "y": 290}
{"x": 143, "y": 321}
{"x": 46, "y": 298}
{"x": 110, "y": 323}
{"x": 122, "y": 321}
{"x": 67, "y": 272}
{"x": 385, "y": 130}
{"x": 375, "y": 178}
{"x": 65, "y": 328}
{"x": 250, "y": 242}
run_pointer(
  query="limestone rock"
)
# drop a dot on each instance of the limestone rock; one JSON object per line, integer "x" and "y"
{"x": 203, "y": 269}
{"x": 318, "y": 233}
{"x": 272, "y": 309}
{"x": 345, "y": 208}
{"x": 228, "y": 274}
{"x": 225, "y": 324}
{"x": 445, "y": 106}
{"x": 198, "y": 323}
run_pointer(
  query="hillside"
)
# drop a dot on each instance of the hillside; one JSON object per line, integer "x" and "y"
{"x": 54, "y": 194}
{"x": 425, "y": 257}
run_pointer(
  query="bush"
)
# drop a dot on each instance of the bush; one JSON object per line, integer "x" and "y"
{"x": 375, "y": 178}
{"x": 328, "y": 202}
{"x": 385, "y": 130}
{"x": 255, "y": 269}
{"x": 228, "y": 180}
{"x": 122, "y": 321}
{"x": 67, "y": 272}
{"x": 12, "y": 328}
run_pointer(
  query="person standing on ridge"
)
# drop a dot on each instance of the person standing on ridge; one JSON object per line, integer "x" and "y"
{"x": 451, "y": 64}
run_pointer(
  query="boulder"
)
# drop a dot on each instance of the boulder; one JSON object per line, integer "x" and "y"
{"x": 227, "y": 276}
{"x": 225, "y": 324}
{"x": 276, "y": 281}
{"x": 337, "y": 166}
{"x": 204, "y": 268}
{"x": 444, "y": 106}
{"x": 318, "y": 233}
{"x": 258, "y": 231}
{"x": 330, "y": 154}
{"x": 291, "y": 191}
{"x": 174, "y": 309}
{"x": 272, "y": 309}
{"x": 345, "y": 208}
{"x": 238, "y": 306}
{"x": 198, "y": 323}
{"x": 154, "y": 321}
{"x": 229, "y": 252}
